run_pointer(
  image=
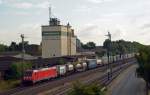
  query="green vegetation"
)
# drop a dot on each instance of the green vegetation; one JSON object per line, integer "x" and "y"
{"x": 15, "y": 71}
{"x": 5, "y": 85}
{"x": 61, "y": 61}
{"x": 88, "y": 45}
{"x": 3, "y": 48}
{"x": 121, "y": 47}
{"x": 81, "y": 89}
{"x": 17, "y": 47}
{"x": 13, "y": 75}
{"x": 100, "y": 54}
{"x": 32, "y": 49}
{"x": 12, "y": 47}
{"x": 144, "y": 65}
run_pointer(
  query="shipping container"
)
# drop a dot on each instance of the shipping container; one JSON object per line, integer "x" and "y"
{"x": 91, "y": 63}
{"x": 69, "y": 67}
{"x": 118, "y": 57}
{"x": 104, "y": 60}
{"x": 99, "y": 61}
{"x": 84, "y": 66}
{"x": 115, "y": 58}
{"x": 61, "y": 69}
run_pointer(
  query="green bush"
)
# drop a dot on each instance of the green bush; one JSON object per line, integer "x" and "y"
{"x": 81, "y": 89}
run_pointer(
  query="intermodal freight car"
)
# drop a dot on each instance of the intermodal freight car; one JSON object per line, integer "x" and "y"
{"x": 37, "y": 75}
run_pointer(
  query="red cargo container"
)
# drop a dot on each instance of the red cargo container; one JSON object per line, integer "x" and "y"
{"x": 40, "y": 74}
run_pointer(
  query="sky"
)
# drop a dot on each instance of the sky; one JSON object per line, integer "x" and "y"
{"x": 91, "y": 19}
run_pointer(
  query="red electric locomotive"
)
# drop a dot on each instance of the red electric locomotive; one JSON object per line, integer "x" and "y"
{"x": 33, "y": 76}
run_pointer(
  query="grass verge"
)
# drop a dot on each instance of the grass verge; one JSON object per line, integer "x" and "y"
{"x": 8, "y": 84}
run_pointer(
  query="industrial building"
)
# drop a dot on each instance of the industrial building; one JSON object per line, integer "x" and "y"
{"x": 57, "y": 40}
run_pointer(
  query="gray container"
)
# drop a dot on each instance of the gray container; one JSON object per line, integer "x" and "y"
{"x": 104, "y": 60}
{"x": 92, "y": 63}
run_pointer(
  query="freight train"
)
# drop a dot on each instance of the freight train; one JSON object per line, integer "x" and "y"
{"x": 37, "y": 75}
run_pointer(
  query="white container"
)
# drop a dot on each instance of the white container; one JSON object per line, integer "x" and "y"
{"x": 84, "y": 65}
{"x": 61, "y": 69}
{"x": 104, "y": 60}
{"x": 70, "y": 67}
{"x": 99, "y": 61}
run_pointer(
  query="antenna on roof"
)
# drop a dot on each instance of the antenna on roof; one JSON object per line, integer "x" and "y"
{"x": 52, "y": 19}
{"x": 50, "y": 12}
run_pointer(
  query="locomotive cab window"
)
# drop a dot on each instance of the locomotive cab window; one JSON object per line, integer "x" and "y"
{"x": 28, "y": 73}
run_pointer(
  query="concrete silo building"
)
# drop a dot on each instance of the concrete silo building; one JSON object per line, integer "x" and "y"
{"x": 57, "y": 40}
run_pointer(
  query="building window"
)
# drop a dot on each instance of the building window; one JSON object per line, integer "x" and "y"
{"x": 54, "y": 33}
{"x": 51, "y": 33}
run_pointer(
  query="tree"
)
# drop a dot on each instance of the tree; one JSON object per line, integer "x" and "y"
{"x": 91, "y": 45}
{"x": 3, "y": 48}
{"x": 81, "y": 89}
{"x": 13, "y": 46}
{"x": 144, "y": 65}
{"x": 88, "y": 45}
{"x": 121, "y": 47}
{"x": 106, "y": 44}
{"x": 15, "y": 71}
{"x": 26, "y": 43}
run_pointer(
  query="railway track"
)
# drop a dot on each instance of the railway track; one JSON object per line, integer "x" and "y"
{"x": 54, "y": 82}
{"x": 57, "y": 83}
{"x": 103, "y": 80}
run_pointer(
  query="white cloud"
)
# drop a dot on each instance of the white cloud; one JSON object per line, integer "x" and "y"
{"x": 1, "y": 2}
{"x": 96, "y": 1}
{"x": 27, "y": 5}
{"x": 31, "y": 31}
{"x": 83, "y": 8}
{"x": 24, "y": 5}
{"x": 32, "y": 34}
{"x": 126, "y": 19}
{"x": 21, "y": 13}
{"x": 45, "y": 4}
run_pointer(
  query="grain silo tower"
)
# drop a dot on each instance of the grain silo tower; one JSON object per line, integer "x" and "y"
{"x": 57, "y": 40}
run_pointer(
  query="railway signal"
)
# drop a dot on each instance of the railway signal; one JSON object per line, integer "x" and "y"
{"x": 23, "y": 52}
{"x": 108, "y": 55}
